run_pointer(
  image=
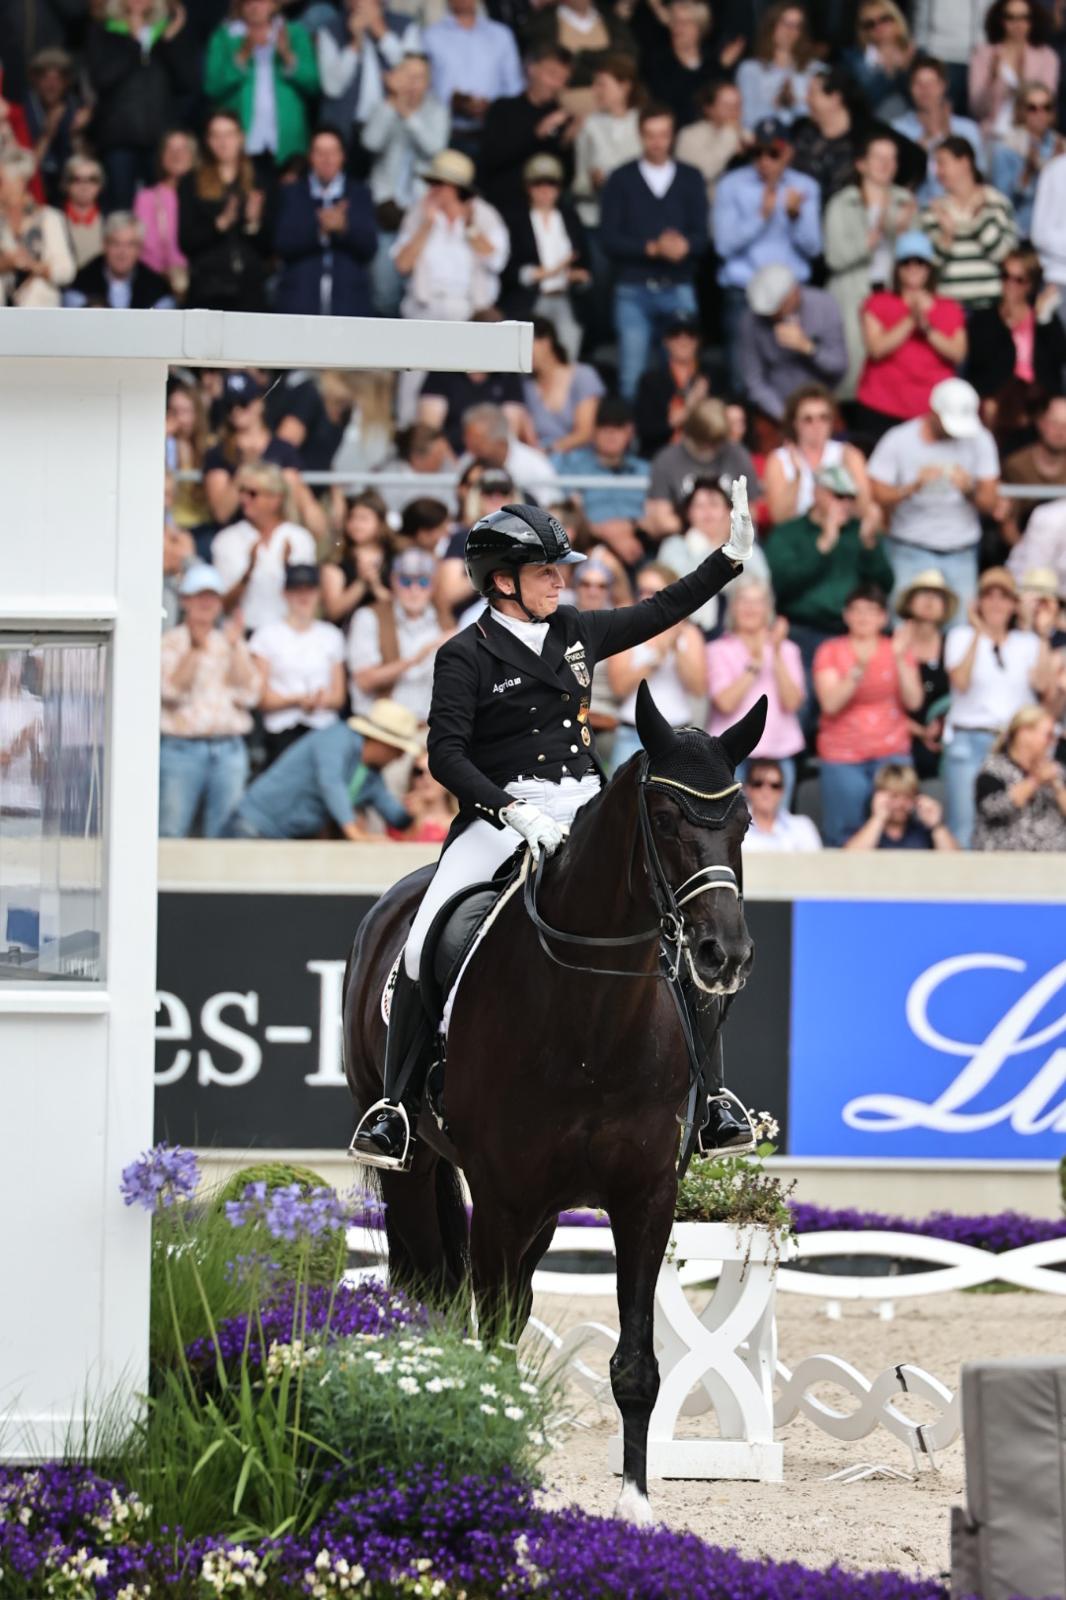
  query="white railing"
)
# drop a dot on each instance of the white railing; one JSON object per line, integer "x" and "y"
{"x": 427, "y": 482}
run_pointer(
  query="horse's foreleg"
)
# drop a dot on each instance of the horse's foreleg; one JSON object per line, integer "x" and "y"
{"x": 641, "y": 1225}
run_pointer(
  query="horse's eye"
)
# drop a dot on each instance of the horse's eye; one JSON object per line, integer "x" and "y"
{"x": 665, "y": 824}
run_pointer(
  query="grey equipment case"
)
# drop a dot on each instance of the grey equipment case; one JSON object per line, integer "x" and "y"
{"x": 1011, "y": 1539}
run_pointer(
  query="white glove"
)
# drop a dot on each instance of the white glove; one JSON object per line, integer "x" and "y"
{"x": 741, "y": 540}
{"x": 540, "y": 831}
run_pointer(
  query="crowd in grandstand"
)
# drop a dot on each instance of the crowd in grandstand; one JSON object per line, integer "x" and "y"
{"x": 817, "y": 244}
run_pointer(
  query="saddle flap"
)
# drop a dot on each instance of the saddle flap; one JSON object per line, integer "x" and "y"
{"x": 451, "y": 933}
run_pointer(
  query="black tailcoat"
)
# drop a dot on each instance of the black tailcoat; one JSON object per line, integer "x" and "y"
{"x": 501, "y": 712}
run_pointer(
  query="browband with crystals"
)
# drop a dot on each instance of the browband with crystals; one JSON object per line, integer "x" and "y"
{"x": 687, "y": 789}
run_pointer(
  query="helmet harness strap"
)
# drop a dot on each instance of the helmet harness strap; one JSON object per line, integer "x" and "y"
{"x": 495, "y": 593}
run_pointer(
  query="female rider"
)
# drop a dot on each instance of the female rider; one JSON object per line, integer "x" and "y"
{"x": 509, "y": 735}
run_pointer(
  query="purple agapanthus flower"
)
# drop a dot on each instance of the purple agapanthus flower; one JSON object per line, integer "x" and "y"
{"x": 160, "y": 1177}
{"x": 290, "y": 1212}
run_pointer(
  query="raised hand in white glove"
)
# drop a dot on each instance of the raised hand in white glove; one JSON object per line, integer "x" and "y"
{"x": 540, "y": 831}
{"x": 741, "y": 540}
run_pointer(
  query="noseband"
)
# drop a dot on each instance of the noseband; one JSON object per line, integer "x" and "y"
{"x": 674, "y": 945}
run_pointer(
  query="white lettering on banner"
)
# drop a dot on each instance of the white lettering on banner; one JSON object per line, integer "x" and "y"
{"x": 242, "y": 1044}
{"x": 1028, "y": 1112}
{"x": 178, "y": 1027}
{"x": 330, "y": 1069}
{"x": 175, "y": 1026}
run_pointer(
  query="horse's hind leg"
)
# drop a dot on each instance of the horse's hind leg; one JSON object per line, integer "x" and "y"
{"x": 641, "y": 1224}
{"x": 425, "y": 1224}
{"x": 501, "y": 1245}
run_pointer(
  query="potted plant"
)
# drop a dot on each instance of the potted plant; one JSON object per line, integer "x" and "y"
{"x": 731, "y": 1208}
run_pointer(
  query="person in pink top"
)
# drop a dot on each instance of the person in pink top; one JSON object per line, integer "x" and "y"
{"x": 157, "y": 210}
{"x": 866, "y": 684}
{"x": 914, "y": 338}
{"x": 1017, "y": 53}
{"x": 754, "y": 657}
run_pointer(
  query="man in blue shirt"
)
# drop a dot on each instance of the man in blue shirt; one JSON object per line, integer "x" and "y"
{"x": 328, "y": 776}
{"x": 933, "y": 120}
{"x": 612, "y": 512}
{"x": 764, "y": 214}
{"x": 474, "y": 62}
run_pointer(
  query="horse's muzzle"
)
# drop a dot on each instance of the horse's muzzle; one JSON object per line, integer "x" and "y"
{"x": 723, "y": 964}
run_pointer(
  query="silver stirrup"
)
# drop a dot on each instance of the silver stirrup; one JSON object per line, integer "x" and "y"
{"x": 734, "y": 1149}
{"x": 401, "y": 1163}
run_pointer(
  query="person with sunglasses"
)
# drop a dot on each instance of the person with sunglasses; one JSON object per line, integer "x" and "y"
{"x": 392, "y": 644}
{"x": 1017, "y": 53}
{"x": 1020, "y": 155}
{"x": 880, "y": 56}
{"x": 773, "y": 827}
{"x": 1018, "y": 346}
{"x": 994, "y": 669}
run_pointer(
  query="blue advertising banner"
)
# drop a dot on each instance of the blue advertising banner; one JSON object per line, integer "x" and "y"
{"x": 932, "y": 1030}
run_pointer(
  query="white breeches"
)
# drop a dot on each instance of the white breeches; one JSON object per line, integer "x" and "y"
{"x": 480, "y": 849}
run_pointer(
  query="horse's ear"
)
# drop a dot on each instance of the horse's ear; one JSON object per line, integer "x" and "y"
{"x": 656, "y": 734}
{"x": 740, "y": 740}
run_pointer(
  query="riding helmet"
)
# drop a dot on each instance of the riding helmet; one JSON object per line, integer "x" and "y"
{"x": 515, "y": 536}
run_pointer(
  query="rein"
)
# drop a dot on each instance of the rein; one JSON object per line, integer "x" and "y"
{"x": 670, "y": 931}
{"x": 674, "y": 944}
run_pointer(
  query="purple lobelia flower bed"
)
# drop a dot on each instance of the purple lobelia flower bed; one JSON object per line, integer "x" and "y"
{"x": 294, "y": 1312}
{"x": 998, "y": 1231}
{"x": 1003, "y": 1230}
{"x": 68, "y": 1532}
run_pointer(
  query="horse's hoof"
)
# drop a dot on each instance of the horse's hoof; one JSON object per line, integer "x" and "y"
{"x": 634, "y": 1507}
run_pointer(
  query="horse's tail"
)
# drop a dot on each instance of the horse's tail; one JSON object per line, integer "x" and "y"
{"x": 427, "y": 1230}
{"x": 454, "y": 1225}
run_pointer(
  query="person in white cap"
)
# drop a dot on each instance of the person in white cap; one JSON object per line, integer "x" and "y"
{"x": 790, "y": 336}
{"x": 935, "y": 478}
{"x": 209, "y": 685}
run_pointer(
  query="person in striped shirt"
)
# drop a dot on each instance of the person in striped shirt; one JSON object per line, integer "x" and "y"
{"x": 971, "y": 228}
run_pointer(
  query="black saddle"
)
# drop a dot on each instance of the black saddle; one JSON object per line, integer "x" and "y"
{"x": 453, "y": 931}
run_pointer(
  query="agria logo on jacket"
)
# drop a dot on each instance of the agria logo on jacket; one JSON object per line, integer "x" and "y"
{"x": 508, "y": 683}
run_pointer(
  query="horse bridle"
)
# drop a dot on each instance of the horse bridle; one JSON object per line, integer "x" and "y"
{"x": 670, "y": 929}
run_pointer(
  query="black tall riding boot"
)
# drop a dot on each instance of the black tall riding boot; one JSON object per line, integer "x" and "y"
{"x": 385, "y": 1136}
{"x": 724, "y": 1129}
{"x": 728, "y": 1126}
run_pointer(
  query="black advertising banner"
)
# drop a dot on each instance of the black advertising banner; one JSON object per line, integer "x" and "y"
{"x": 248, "y": 1039}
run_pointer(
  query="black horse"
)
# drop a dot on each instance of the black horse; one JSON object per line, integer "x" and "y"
{"x": 565, "y": 1081}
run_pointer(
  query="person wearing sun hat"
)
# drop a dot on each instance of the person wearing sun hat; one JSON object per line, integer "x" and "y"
{"x": 330, "y": 777}
{"x": 452, "y": 245}
{"x": 926, "y": 608}
{"x": 934, "y": 478}
{"x": 995, "y": 668}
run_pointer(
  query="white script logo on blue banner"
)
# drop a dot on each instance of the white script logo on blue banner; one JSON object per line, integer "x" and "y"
{"x": 935, "y": 1030}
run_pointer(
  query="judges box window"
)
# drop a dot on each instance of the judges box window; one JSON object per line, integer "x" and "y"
{"x": 53, "y": 702}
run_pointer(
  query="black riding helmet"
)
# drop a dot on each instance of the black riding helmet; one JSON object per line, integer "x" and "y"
{"x": 512, "y": 538}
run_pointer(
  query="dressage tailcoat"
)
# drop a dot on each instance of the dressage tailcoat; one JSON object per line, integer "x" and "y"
{"x": 500, "y": 712}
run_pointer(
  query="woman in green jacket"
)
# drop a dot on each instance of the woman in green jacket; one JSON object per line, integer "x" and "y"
{"x": 263, "y": 68}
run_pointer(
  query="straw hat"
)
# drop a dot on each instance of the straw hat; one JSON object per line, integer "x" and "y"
{"x": 931, "y": 578}
{"x": 1042, "y": 581}
{"x": 997, "y": 578}
{"x": 391, "y": 724}
{"x": 451, "y": 166}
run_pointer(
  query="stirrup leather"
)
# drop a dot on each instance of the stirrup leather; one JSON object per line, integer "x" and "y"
{"x": 736, "y": 1150}
{"x": 400, "y": 1163}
